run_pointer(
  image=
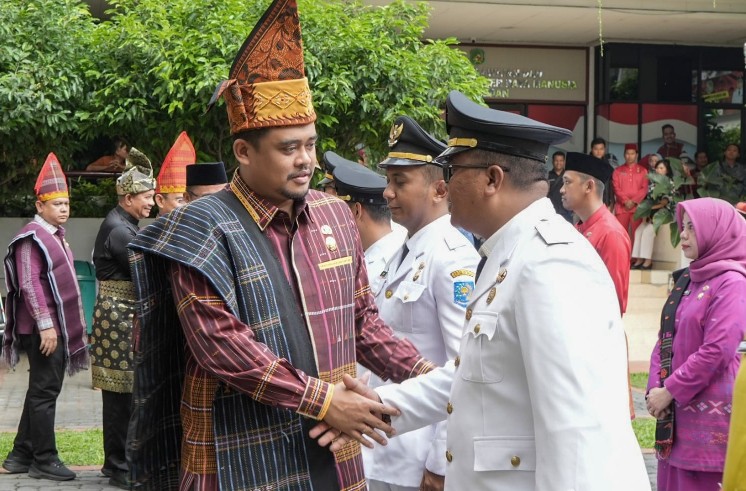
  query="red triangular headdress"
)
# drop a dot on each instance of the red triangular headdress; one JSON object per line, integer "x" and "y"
{"x": 172, "y": 176}
{"x": 51, "y": 183}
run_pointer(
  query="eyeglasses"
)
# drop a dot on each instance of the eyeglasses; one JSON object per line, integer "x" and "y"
{"x": 448, "y": 169}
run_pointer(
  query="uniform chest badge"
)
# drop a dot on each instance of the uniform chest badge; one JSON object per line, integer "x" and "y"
{"x": 331, "y": 243}
{"x": 462, "y": 291}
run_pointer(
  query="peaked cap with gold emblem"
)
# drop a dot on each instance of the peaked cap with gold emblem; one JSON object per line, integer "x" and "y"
{"x": 471, "y": 125}
{"x": 409, "y": 144}
{"x": 172, "y": 176}
{"x": 267, "y": 85}
{"x": 137, "y": 176}
{"x": 51, "y": 183}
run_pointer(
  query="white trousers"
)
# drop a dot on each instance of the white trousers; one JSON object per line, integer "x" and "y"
{"x": 644, "y": 240}
{"x": 384, "y": 486}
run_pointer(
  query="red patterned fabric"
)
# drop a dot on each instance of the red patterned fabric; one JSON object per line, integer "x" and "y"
{"x": 51, "y": 183}
{"x": 172, "y": 177}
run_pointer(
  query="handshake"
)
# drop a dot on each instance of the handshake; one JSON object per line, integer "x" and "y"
{"x": 355, "y": 413}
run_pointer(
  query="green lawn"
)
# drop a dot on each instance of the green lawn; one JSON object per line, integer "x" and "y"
{"x": 75, "y": 447}
{"x": 639, "y": 380}
{"x": 644, "y": 431}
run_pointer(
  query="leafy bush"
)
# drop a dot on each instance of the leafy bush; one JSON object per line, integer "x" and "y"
{"x": 92, "y": 199}
{"x": 42, "y": 85}
{"x": 149, "y": 70}
{"x": 713, "y": 183}
{"x": 675, "y": 190}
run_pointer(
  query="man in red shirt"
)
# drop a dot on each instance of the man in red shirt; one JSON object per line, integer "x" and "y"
{"x": 582, "y": 193}
{"x": 630, "y": 183}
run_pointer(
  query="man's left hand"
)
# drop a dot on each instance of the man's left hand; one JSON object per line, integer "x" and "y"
{"x": 658, "y": 400}
{"x": 432, "y": 482}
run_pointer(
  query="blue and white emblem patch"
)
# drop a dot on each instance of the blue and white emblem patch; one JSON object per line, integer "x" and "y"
{"x": 462, "y": 291}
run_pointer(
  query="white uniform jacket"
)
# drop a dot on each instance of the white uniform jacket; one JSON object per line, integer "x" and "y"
{"x": 538, "y": 399}
{"x": 380, "y": 253}
{"x": 423, "y": 299}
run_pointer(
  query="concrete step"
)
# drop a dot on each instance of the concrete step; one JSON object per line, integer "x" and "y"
{"x": 648, "y": 291}
{"x": 653, "y": 276}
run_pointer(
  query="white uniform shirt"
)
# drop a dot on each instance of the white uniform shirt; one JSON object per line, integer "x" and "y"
{"x": 537, "y": 398}
{"x": 380, "y": 253}
{"x": 423, "y": 299}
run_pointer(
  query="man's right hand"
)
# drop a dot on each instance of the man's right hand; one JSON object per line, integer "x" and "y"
{"x": 48, "y": 341}
{"x": 355, "y": 411}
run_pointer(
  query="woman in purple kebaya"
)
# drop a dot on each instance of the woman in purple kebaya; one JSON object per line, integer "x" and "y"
{"x": 694, "y": 364}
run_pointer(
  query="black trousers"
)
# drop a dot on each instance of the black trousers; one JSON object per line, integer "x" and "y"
{"x": 35, "y": 438}
{"x": 116, "y": 417}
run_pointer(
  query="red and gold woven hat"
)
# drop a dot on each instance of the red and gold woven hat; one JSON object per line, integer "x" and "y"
{"x": 267, "y": 85}
{"x": 51, "y": 183}
{"x": 172, "y": 176}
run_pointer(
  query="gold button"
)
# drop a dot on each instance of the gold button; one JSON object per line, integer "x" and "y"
{"x": 468, "y": 314}
{"x": 449, "y": 456}
{"x": 477, "y": 328}
{"x": 457, "y": 361}
{"x": 449, "y": 408}
{"x": 389, "y": 293}
{"x": 515, "y": 461}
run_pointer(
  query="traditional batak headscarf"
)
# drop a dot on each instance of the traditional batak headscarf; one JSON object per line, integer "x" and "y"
{"x": 720, "y": 233}
{"x": 51, "y": 183}
{"x": 137, "y": 176}
{"x": 172, "y": 177}
{"x": 267, "y": 85}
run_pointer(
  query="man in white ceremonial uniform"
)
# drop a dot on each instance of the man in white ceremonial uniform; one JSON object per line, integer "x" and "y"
{"x": 362, "y": 189}
{"x": 423, "y": 294}
{"x": 537, "y": 397}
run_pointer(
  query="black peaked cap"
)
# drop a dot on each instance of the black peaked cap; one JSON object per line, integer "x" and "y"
{"x": 471, "y": 125}
{"x": 410, "y": 145}
{"x": 358, "y": 183}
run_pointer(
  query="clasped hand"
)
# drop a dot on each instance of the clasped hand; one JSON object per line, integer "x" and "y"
{"x": 658, "y": 402}
{"x": 355, "y": 412}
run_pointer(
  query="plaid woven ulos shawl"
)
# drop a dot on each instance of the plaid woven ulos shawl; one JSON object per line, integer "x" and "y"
{"x": 209, "y": 237}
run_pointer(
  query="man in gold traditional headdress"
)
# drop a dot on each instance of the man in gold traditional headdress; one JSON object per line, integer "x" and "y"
{"x": 254, "y": 303}
{"x": 111, "y": 347}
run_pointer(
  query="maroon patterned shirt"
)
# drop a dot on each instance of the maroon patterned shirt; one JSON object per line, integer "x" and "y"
{"x": 222, "y": 348}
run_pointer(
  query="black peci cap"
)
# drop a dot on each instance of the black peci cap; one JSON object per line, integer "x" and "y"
{"x": 588, "y": 164}
{"x": 473, "y": 126}
{"x": 206, "y": 174}
{"x": 409, "y": 144}
{"x": 359, "y": 184}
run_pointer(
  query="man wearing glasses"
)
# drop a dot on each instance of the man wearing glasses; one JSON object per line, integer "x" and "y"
{"x": 537, "y": 396}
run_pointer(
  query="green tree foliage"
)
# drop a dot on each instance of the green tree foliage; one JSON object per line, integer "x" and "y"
{"x": 43, "y": 44}
{"x": 149, "y": 70}
{"x": 366, "y": 65}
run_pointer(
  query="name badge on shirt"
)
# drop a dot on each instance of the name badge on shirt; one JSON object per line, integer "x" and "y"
{"x": 335, "y": 263}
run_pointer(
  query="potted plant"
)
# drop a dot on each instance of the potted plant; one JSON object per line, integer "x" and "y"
{"x": 665, "y": 194}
